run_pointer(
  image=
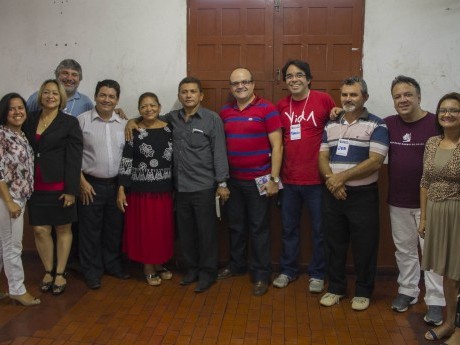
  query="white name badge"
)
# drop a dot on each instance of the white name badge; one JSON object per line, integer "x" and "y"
{"x": 295, "y": 132}
{"x": 342, "y": 147}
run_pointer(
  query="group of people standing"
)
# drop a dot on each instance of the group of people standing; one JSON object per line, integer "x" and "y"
{"x": 121, "y": 175}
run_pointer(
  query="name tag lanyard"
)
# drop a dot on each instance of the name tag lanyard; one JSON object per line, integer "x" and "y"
{"x": 343, "y": 144}
{"x": 295, "y": 128}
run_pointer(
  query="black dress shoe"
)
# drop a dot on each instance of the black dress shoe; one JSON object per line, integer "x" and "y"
{"x": 203, "y": 286}
{"x": 188, "y": 279}
{"x": 93, "y": 284}
{"x": 225, "y": 273}
{"x": 260, "y": 288}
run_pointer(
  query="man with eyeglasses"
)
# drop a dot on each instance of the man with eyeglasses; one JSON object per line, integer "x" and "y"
{"x": 254, "y": 149}
{"x": 409, "y": 130}
{"x": 304, "y": 113}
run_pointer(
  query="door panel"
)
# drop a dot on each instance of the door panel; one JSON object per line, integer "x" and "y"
{"x": 223, "y": 35}
{"x": 326, "y": 33}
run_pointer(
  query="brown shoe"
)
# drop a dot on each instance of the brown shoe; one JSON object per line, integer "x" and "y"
{"x": 260, "y": 288}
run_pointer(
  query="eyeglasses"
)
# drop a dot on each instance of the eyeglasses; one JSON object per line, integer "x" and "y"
{"x": 297, "y": 76}
{"x": 242, "y": 83}
{"x": 451, "y": 111}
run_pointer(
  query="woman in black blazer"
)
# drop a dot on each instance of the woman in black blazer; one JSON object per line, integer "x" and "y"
{"x": 57, "y": 142}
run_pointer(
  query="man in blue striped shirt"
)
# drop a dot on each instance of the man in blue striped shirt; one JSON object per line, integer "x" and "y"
{"x": 352, "y": 151}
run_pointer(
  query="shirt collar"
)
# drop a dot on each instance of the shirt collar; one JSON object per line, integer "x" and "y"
{"x": 76, "y": 96}
{"x": 197, "y": 113}
{"x": 253, "y": 102}
{"x": 96, "y": 116}
{"x": 364, "y": 116}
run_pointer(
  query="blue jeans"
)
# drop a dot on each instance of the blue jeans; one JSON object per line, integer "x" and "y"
{"x": 292, "y": 200}
{"x": 248, "y": 218}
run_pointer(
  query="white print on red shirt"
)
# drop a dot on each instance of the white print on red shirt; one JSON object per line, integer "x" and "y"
{"x": 297, "y": 119}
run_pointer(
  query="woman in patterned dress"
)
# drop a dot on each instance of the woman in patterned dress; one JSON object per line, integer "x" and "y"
{"x": 145, "y": 192}
{"x": 440, "y": 210}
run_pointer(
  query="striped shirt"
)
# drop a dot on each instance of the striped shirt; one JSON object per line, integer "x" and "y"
{"x": 103, "y": 143}
{"x": 248, "y": 147}
{"x": 368, "y": 133}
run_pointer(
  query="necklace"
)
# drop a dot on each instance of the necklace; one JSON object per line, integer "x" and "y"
{"x": 303, "y": 109}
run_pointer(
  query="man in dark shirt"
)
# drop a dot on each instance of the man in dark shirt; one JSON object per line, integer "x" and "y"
{"x": 200, "y": 164}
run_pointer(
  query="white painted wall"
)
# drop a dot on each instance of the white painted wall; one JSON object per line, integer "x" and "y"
{"x": 139, "y": 43}
{"x": 417, "y": 38}
{"x": 142, "y": 45}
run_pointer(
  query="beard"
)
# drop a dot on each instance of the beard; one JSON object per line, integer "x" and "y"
{"x": 349, "y": 108}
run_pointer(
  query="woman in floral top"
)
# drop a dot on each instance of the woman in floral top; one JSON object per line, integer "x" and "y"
{"x": 16, "y": 183}
{"x": 144, "y": 194}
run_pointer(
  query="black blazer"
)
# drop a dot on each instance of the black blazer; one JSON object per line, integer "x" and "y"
{"x": 59, "y": 150}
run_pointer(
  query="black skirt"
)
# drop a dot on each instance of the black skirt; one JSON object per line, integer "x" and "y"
{"x": 45, "y": 208}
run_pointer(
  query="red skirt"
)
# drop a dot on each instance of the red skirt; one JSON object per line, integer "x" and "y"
{"x": 149, "y": 227}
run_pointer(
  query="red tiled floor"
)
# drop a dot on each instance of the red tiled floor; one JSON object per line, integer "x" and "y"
{"x": 130, "y": 312}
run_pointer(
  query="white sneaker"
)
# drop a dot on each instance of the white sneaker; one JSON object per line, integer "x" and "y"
{"x": 282, "y": 281}
{"x": 329, "y": 299}
{"x": 360, "y": 303}
{"x": 316, "y": 285}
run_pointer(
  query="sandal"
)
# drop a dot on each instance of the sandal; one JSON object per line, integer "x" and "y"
{"x": 431, "y": 334}
{"x": 58, "y": 289}
{"x": 46, "y": 286}
{"x": 164, "y": 273}
{"x": 153, "y": 279}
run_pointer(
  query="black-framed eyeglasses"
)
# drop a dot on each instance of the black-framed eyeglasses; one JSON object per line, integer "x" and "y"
{"x": 297, "y": 76}
{"x": 242, "y": 83}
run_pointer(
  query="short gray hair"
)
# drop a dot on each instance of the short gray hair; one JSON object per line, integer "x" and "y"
{"x": 71, "y": 64}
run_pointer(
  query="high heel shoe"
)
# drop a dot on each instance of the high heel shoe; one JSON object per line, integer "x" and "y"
{"x": 25, "y": 299}
{"x": 58, "y": 289}
{"x": 46, "y": 286}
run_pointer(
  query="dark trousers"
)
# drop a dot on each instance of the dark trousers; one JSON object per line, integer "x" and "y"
{"x": 197, "y": 230}
{"x": 354, "y": 220}
{"x": 248, "y": 218}
{"x": 101, "y": 230}
{"x": 294, "y": 197}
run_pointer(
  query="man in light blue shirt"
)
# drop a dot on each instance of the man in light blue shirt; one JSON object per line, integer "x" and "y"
{"x": 69, "y": 74}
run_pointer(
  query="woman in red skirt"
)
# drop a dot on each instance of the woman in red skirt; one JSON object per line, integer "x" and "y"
{"x": 145, "y": 192}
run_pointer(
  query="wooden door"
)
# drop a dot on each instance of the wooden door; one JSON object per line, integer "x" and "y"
{"x": 326, "y": 33}
{"x": 262, "y": 34}
{"x": 226, "y": 34}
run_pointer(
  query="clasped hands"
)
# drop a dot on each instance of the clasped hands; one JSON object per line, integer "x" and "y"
{"x": 335, "y": 183}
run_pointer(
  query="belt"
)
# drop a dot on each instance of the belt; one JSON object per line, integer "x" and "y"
{"x": 102, "y": 180}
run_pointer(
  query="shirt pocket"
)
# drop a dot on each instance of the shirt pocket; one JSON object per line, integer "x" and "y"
{"x": 198, "y": 138}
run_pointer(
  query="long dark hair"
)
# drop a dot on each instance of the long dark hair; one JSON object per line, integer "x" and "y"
{"x": 5, "y": 105}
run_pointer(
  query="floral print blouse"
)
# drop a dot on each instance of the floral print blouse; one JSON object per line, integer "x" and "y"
{"x": 16, "y": 163}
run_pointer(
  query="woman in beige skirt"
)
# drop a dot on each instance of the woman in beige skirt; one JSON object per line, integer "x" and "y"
{"x": 440, "y": 210}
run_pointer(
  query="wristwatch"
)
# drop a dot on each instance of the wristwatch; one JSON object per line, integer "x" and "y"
{"x": 275, "y": 179}
{"x": 222, "y": 184}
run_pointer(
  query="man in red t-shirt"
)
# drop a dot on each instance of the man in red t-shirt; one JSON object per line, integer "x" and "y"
{"x": 304, "y": 114}
{"x": 254, "y": 149}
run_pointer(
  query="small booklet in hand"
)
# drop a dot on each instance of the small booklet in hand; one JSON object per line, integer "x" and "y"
{"x": 263, "y": 180}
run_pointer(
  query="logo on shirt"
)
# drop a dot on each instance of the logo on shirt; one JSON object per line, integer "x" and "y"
{"x": 299, "y": 118}
{"x": 406, "y": 138}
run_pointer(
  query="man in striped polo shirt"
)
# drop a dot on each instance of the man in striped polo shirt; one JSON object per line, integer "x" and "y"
{"x": 254, "y": 148}
{"x": 352, "y": 151}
